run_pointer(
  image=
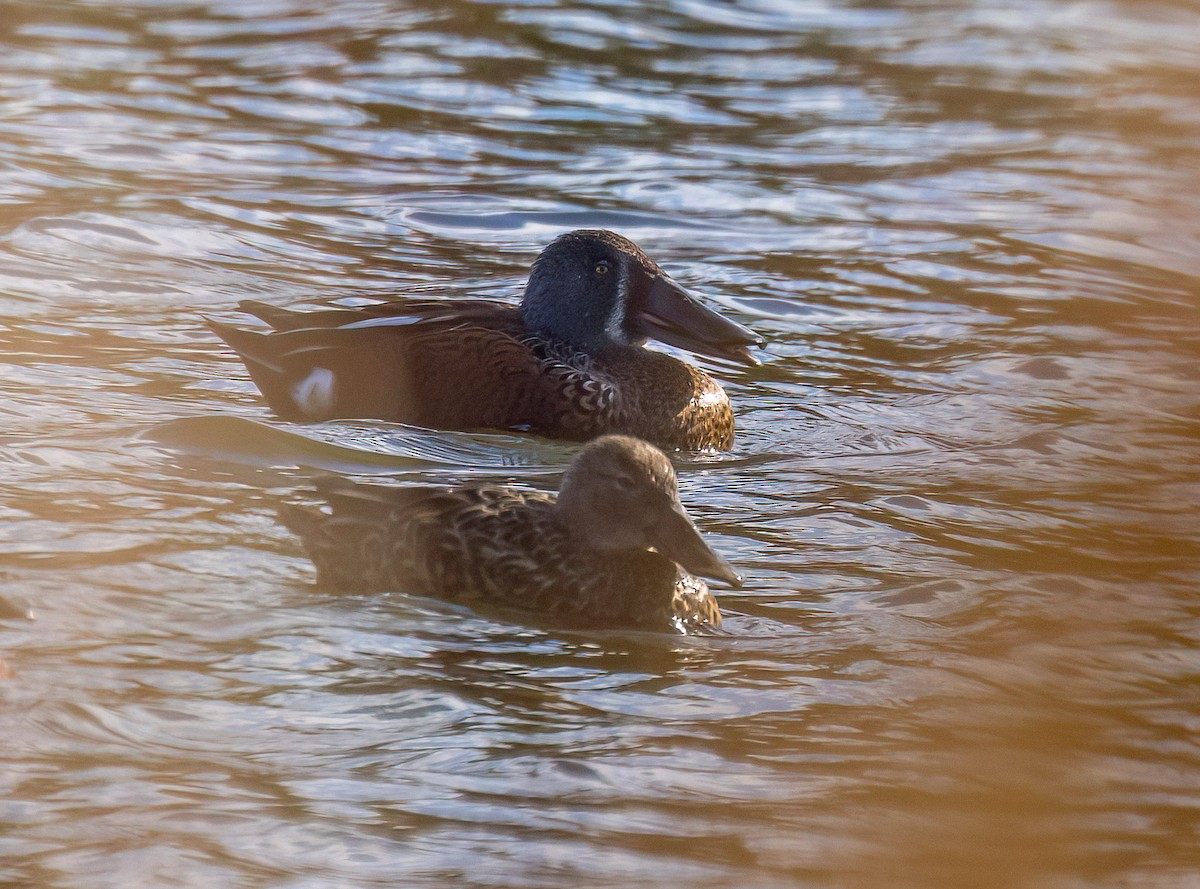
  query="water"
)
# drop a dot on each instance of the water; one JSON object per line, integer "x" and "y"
{"x": 964, "y": 491}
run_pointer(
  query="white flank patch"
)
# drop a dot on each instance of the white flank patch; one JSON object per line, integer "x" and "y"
{"x": 314, "y": 394}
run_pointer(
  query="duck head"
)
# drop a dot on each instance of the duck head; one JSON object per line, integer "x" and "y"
{"x": 596, "y": 288}
{"x": 619, "y": 494}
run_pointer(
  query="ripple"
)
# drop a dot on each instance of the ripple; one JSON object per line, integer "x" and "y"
{"x": 961, "y": 495}
{"x": 549, "y": 220}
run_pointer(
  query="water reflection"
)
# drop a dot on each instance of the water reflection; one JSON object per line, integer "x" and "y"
{"x": 963, "y": 491}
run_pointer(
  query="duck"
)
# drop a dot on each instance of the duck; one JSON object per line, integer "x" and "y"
{"x": 614, "y": 549}
{"x": 568, "y": 362}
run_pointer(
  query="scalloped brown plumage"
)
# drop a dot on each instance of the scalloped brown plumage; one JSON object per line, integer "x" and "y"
{"x": 606, "y": 552}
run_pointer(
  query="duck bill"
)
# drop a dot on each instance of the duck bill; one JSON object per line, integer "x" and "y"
{"x": 672, "y": 316}
{"x": 677, "y": 538}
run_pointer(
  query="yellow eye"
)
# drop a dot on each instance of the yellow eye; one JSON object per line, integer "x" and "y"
{"x": 601, "y": 267}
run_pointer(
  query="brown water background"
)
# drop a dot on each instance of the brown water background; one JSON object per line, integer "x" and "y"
{"x": 964, "y": 494}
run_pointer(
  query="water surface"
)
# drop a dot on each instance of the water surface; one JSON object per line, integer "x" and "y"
{"x": 964, "y": 491}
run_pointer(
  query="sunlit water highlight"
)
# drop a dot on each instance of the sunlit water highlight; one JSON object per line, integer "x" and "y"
{"x": 964, "y": 493}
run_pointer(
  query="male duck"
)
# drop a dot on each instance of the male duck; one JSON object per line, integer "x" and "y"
{"x": 614, "y": 549}
{"x": 567, "y": 363}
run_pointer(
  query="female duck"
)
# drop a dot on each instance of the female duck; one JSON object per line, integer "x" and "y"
{"x": 569, "y": 362}
{"x": 614, "y": 549}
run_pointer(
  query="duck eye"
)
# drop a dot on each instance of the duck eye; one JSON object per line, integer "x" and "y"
{"x": 622, "y": 482}
{"x": 601, "y": 267}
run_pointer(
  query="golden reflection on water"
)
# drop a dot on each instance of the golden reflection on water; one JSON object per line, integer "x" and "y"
{"x": 1014, "y": 765}
{"x": 963, "y": 495}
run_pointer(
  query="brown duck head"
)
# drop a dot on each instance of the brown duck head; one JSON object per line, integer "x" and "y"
{"x": 595, "y": 288}
{"x": 619, "y": 494}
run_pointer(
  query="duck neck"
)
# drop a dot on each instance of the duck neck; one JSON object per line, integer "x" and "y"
{"x": 589, "y": 329}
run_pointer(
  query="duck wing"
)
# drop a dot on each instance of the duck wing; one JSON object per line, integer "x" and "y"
{"x": 420, "y": 539}
{"x": 355, "y": 545}
{"x": 446, "y": 364}
{"x": 403, "y": 311}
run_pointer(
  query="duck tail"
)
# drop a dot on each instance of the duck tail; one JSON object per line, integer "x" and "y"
{"x": 261, "y": 355}
{"x": 278, "y": 318}
{"x": 311, "y": 526}
{"x": 252, "y": 347}
{"x": 304, "y": 522}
